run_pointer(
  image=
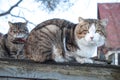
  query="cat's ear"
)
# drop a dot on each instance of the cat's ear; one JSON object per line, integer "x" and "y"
{"x": 80, "y": 19}
{"x": 10, "y": 23}
{"x": 25, "y": 23}
{"x": 104, "y": 22}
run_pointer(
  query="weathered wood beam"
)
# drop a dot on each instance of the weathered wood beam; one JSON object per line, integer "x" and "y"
{"x": 58, "y": 71}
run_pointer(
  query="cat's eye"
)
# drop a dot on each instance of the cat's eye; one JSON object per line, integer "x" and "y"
{"x": 22, "y": 31}
{"x": 14, "y": 31}
{"x": 99, "y": 31}
{"x": 85, "y": 32}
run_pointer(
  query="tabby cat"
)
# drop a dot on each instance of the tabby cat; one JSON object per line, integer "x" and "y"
{"x": 12, "y": 43}
{"x": 62, "y": 41}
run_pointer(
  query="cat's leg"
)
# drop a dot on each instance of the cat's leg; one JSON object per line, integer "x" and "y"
{"x": 58, "y": 54}
{"x": 12, "y": 54}
{"x": 69, "y": 56}
{"x": 20, "y": 55}
{"x": 83, "y": 60}
{"x": 3, "y": 52}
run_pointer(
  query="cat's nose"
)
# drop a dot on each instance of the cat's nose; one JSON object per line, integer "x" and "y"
{"x": 91, "y": 38}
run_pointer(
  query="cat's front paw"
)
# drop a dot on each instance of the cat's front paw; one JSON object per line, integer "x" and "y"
{"x": 84, "y": 60}
{"x": 60, "y": 59}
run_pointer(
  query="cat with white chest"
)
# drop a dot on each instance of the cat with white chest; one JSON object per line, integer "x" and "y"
{"x": 88, "y": 44}
{"x": 61, "y": 40}
{"x": 12, "y": 43}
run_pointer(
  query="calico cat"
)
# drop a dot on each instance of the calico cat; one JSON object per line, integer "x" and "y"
{"x": 12, "y": 43}
{"x": 62, "y": 41}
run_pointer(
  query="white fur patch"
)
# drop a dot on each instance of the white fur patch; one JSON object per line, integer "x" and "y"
{"x": 19, "y": 35}
{"x": 57, "y": 56}
{"x": 86, "y": 50}
{"x": 84, "y": 60}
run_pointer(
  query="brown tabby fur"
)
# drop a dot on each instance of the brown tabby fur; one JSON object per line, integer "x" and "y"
{"x": 39, "y": 45}
{"x": 11, "y": 46}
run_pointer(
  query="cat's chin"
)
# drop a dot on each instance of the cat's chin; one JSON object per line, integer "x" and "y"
{"x": 96, "y": 43}
{"x": 91, "y": 43}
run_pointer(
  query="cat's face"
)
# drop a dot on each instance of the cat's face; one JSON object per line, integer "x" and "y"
{"x": 91, "y": 30}
{"x": 18, "y": 31}
{"x": 94, "y": 36}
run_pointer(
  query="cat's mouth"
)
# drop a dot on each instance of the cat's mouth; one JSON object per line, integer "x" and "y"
{"x": 19, "y": 41}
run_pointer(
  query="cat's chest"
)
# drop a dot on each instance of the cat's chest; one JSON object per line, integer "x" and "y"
{"x": 86, "y": 50}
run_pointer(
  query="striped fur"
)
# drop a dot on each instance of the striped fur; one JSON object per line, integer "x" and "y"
{"x": 55, "y": 39}
{"x": 12, "y": 43}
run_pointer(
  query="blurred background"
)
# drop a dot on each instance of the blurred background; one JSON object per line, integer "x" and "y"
{"x": 36, "y": 11}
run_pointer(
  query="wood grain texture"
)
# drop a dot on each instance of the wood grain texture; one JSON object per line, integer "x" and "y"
{"x": 57, "y": 71}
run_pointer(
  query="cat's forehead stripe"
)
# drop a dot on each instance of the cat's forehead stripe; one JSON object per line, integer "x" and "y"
{"x": 90, "y": 21}
{"x": 18, "y": 24}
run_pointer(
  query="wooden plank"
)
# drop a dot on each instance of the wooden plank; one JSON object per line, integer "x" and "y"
{"x": 58, "y": 71}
